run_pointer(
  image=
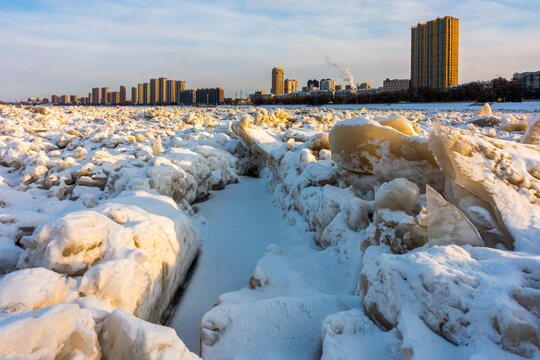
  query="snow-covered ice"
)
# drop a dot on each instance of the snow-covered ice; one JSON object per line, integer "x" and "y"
{"x": 405, "y": 231}
{"x": 236, "y": 225}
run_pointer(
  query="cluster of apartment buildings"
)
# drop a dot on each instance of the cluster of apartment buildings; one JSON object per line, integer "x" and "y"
{"x": 434, "y": 64}
{"x": 160, "y": 91}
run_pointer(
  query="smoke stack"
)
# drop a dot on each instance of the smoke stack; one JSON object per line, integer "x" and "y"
{"x": 343, "y": 71}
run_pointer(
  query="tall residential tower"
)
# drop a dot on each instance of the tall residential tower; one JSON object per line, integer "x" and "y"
{"x": 277, "y": 81}
{"x": 434, "y": 53}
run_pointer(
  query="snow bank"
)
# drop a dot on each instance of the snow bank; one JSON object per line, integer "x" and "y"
{"x": 132, "y": 251}
{"x": 59, "y": 331}
{"x": 453, "y": 292}
{"x": 77, "y": 194}
{"x": 123, "y": 336}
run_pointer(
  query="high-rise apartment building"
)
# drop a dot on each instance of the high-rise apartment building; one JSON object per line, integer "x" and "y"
{"x": 134, "y": 93}
{"x": 162, "y": 92}
{"x": 328, "y": 84}
{"x": 313, "y": 83}
{"x": 291, "y": 86}
{"x": 114, "y": 97}
{"x": 146, "y": 94}
{"x": 434, "y": 53}
{"x": 171, "y": 92}
{"x": 122, "y": 94}
{"x": 105, "y": 98}
{"x": 154, "y": 91}
{"x": 210, "y": 96}
{"x": 63, "y": 99}
{"x": 96, "y": 96}
{"x": 187, "y": 97}
{"x": 140, "y": 99}
{"x": 54, "y": 99}
{"x": 180, "y": 86}
{"x": 278, "y": 77}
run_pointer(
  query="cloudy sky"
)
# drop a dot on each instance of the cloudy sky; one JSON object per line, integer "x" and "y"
{"x": 67, "y": 47}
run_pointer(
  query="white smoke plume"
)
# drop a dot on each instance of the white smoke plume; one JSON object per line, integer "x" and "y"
{"x": 343, "y": 71}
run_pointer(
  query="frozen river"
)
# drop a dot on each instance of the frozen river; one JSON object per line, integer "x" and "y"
{"x": 235, "y": 226}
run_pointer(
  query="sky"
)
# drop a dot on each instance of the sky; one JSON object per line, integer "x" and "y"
{"x": 66, "y": 47}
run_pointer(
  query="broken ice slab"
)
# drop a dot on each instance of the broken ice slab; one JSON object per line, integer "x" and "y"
{"x": 503, "y": 174}
{"x": 257, "y": 139}
{"x": 532, "y": 135}
{"x": 364, "y": 146}
{"x": 447, "y": 224}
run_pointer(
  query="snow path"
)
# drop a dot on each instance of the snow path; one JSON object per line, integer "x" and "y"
{"x": 235, "y": 226}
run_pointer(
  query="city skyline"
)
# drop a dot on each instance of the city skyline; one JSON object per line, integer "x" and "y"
{"x": 54, "y": 47}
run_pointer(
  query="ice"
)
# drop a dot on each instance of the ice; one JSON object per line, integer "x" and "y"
{"x": 532, "y": 135}
{"x": 350, "y": 272}
{"x": 32, "y": 289}
{"x": 133, "y": 251}
{"x": 398, "y": 122}
{"x": 347, "y": 334}
{"x": 157, "y": 146}
{"x": 502, "y": 174}
{"x": 452, "y": 291}
{"x": 55, "y": 332}
{"x": 364, "y": 146}
{"x": 123, "y": 336}
{"x": 260, "y": 141}
{"x": 9, "y": 255}
{"x": 291, "y": 331}
{"x": 485, "y": 110}
{"x": 446, "y": 224}
{"x": 398, "y": 194}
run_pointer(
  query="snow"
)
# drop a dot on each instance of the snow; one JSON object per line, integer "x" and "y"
{"x": 235, "y": 225}
{"x": 125, "y": 336}
{"x": 391, "y": 231}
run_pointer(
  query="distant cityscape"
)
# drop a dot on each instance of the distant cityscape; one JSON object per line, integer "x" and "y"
{"x": 434, "y": 65}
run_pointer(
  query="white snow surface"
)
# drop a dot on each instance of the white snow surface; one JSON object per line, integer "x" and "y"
{"x": 101, "y": 215}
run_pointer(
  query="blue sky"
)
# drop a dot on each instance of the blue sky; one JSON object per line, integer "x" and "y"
{"x": 67, "y": 47}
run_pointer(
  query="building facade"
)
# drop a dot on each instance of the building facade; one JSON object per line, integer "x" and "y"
{"x": 213, "y": 96}
{"x": 134, "y": 95}
{"x": 291, "y": 86}
{"x": 530, "y": 80}
{"x": 278, "y": 78}
{"x": 328, "y": 84}
{"x": 171, "y": 92}
{"x": 180, "y": 86}
{"x": 154, "y": 92}
{"x": 146, "y": 94}
{"x": 114, "y": 98}
{"x": 313, "y": 83}
{"x": 122, "y": 94}
{"x": 96, "y": 96}
{"x": 434, "y": 53}
{"x": 105, "y": 95}
{"x": 396, "y": 85}
{"x": 140, "y": 94}
{"x": 187, "y": 97}
{"x": 162, "y": 91}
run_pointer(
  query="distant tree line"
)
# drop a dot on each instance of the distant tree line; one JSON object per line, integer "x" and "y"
{"x": 495, "y": 90}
